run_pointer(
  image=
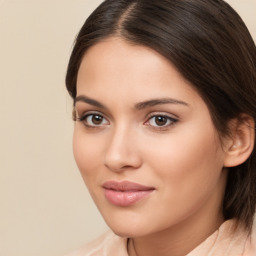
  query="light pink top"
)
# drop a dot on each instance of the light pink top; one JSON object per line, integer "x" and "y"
{"x": 223, "y": 242}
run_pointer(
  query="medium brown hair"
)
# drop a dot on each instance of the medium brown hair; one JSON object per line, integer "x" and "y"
{"x": 210, "y": 46}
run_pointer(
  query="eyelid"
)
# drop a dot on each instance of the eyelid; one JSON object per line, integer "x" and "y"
{"x": 82, "y": 108}
{"x": 159, "y": 113}
{"x": 89, "y": 112}
{"x": 169, "y": 116}
{"x": 83, "y": 117}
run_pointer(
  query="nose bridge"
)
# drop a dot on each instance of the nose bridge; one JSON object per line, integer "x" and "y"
{"x": 121, "y": 151}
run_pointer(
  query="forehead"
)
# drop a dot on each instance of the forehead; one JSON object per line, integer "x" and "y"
{"x": 123, "y": 57}
{"x": 119, "y": 65}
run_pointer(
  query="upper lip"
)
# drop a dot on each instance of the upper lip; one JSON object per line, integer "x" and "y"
{"x": 125, "y": 186}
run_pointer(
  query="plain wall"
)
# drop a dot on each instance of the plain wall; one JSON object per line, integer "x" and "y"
{"x": 45, "y": 207}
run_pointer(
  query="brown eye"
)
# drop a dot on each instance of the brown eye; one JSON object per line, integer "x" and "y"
{"x": 94, "y": 120}
{"x": 161, "y": 121}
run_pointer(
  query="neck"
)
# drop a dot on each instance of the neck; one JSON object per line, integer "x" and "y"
{"x": 176, "y": 242}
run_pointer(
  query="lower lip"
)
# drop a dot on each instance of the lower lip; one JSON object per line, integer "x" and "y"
{"x": 125, "y": 198}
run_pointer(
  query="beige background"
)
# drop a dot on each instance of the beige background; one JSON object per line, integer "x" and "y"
{"x": 45, "y": 209}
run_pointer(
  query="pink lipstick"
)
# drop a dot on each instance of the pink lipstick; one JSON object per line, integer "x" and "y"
{"x": 125, "y": 193}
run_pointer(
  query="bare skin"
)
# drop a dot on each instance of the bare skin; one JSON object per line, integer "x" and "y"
{"x": 139, "y": 120}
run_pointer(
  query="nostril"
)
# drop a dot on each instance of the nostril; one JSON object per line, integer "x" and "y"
{"x": 119, "y": 164}
{"x": 121, "y": 153}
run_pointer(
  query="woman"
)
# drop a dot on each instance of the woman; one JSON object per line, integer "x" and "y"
{"x": 164, "y": 108}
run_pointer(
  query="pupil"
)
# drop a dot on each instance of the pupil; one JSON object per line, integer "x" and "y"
{"x": 161, "y": 120}
{"x": 97, "y": 119}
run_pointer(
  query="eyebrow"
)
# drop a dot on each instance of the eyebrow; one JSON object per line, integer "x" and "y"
{"x": 138, "y": 106}
{"x": 89, "y": 101}
{"x": 161, "y": 101}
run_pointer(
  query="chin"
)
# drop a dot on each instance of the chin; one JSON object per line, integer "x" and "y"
{"x": 127, "y": 226}
{"x": 135, "y": 228}
{"x": 129, "y": 232}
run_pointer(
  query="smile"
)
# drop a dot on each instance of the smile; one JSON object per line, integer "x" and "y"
{"x": 125, "y": 193}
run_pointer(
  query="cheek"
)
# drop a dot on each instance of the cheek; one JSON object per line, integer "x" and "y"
{"x": 188, "y": 172}
{"x": 86, "y": 153}
{"x": 186, "y": 164}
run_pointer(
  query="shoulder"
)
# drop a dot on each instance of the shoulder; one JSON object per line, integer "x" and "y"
{"x": 107, "y": 244}
{"x": 231, "y": 238}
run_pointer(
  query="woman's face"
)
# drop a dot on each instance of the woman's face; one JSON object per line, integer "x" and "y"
{"x": 144, "y": 142}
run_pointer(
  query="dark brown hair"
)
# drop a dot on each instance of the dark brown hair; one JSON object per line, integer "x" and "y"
{"x": 210, "y": 46}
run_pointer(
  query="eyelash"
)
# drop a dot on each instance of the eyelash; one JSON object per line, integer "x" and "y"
{"x": 170, "y": 121}
{"x": 91, "y": 114}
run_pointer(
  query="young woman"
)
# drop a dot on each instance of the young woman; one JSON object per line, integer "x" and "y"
{"x": 164, "y": 107}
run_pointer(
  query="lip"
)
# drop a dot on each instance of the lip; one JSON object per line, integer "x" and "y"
{"x": 125, "y": 193}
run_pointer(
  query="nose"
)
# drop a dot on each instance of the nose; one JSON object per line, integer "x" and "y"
{"x": 122, "y": 151}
